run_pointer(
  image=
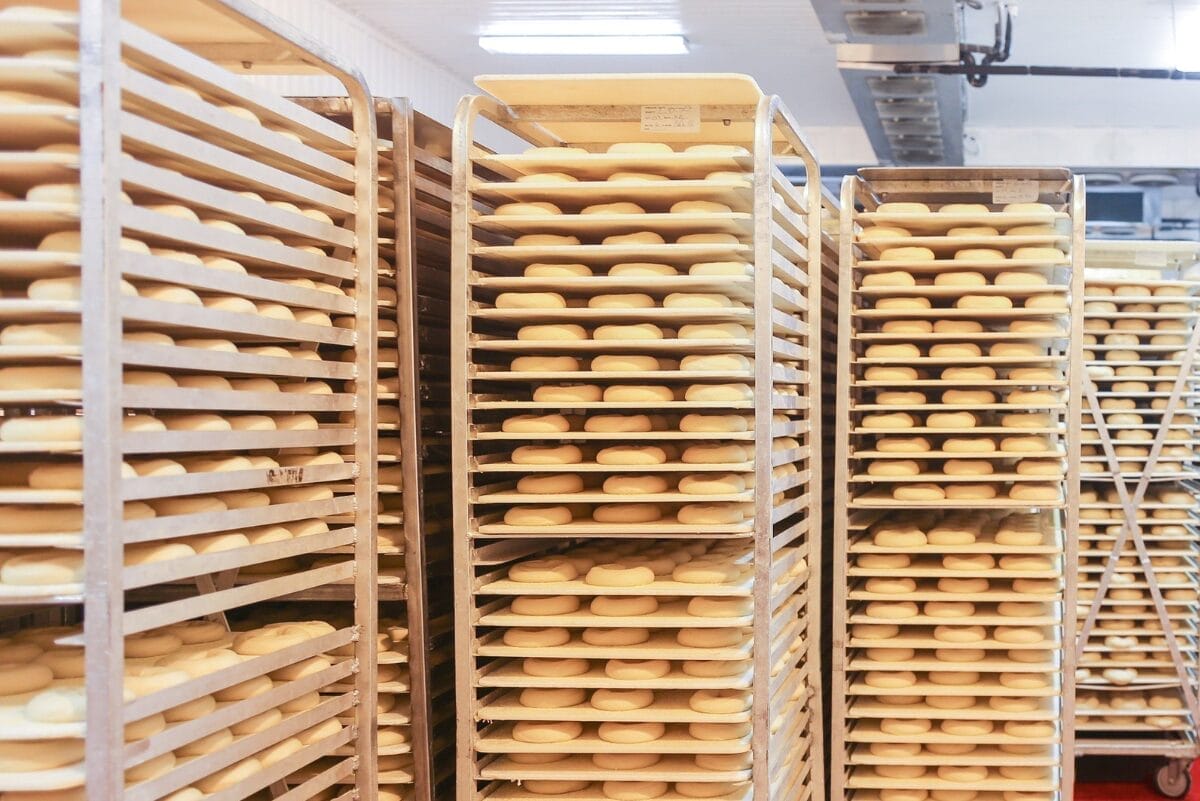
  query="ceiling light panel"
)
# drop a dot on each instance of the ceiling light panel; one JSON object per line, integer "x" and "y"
{"x": 585, "y": 45}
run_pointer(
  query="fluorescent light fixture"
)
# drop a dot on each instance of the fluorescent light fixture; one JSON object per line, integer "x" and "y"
{"x": 585, "y": 37}
{"x": 583, "y": 26}
{"x": 673, "y": 45}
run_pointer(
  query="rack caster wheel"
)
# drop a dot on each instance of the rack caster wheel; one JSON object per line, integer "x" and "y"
{"x": 1174, "y": 779}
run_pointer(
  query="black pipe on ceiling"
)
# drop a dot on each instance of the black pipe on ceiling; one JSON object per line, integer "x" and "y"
{"x": 1062, "y": 72}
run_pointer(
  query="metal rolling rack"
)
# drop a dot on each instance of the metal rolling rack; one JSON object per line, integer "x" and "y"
{"x": 209, "y": 268}
{"x": 831, "y": 213}
{"x": 1138, "y": 580}
{"x": 412, "y": 384}
{"x": 422, "y": 176}
{"x": 775, "y": 710}
{"x": 970, "y": 696}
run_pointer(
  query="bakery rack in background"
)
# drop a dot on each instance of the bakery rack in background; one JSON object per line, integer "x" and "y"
{"x": 1138, "y": 666}
{"x": 637, "y": 580}
{"x": 413, "y": 422}
{"x": 957, "y": 482}
{"x": 178, "y": 405}
{"x": 830, "y": 253}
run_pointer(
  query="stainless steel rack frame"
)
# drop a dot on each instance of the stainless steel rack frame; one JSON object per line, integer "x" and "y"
{"x": 288, "y": 196}
{"x": 414, "y": 331}
{"x": 915, "y": 704}
{"x": 777, "y": 229}
{"x": 1138, "y": 662}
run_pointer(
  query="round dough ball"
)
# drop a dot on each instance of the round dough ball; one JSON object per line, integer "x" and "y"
{"x": 541, "y": 270}
{"x": 536, "y": 638}
{"x": 546, "y": 732}
{"x": 538, "y": 516}
{"x": 710, "y": 638}
{"x": 611, "y": 700}
{"x": 907, "y": 254}
{"x": 615, "y": 637}
{"x": 630, "y": 733}
{"x": 554, "y": 668}
{"x": 553, "y": 332}
{"x": 623, "y": 605}
{"x": 641, "y": 269}
{"x": 551, "y": 697}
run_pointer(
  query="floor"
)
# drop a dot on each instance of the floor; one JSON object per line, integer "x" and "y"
{"x": 1126, "y": 779}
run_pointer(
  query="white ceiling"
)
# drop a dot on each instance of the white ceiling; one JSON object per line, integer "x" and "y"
{"x": 1090, "y": 33}
{"x": 781, "y": 44}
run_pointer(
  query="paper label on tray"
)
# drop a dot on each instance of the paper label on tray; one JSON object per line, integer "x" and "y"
{"x": 1014, "y": 190}
{"x": 671, "y": 119}
{"x": 1150, "y": 258}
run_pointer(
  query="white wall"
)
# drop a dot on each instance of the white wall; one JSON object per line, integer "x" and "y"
{"x": 1084, "y": 146}
{"x": 390, "y": 68}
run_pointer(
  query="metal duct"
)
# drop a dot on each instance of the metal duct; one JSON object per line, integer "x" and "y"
{"x": 910, "y": 119}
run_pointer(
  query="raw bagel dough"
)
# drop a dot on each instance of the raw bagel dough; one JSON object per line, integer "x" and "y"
{"x": 699, "y": 207}
{"x": 713, "y": 331}
{"x": 551, "y": 786}
{"x": 720, "y": 607}
{"x": 617, "y": 574}
{"x": 627, "y": 513}
{"x": 557, "y": 332}
{"x": 877, "y": 232}
{"x": 554, "y": 668}
{"x": 709, "y": 638}
{"x": 538, "y": 516}
{"x": 623, "y": 605}
{"x": 551, "y": 697}
{"x": 568, "y": 393}
{"x": 891, "y": 278}
{"x": 637, "y": 670}
{"x": 893, "y": 610}
{"x": 957, "y": 327}
{"x": 905, "y": 727}
{"x": 966, "y": 278}
{"x": 906, "y": 327}
{"x": 710, "y": 514}
{"x": 955, "y": 350}
{"x": 543, "y": 571}
{"x": 630, "y": 700}
{"x": 633, "y": 790}
{"x": 624, "y": 363}
{"x": 547, "y": 454}
{"x": 715, "y": 363}
{"x": 530, "y": 300}
{"x": 636, "y": 238}
{"x": 546, "y": 732}
{"x": 619, "y": 424}
{"x": 1020, "y": 278}
{"x": 983, "y": 302}
{"x": 544, "y": 604}
{"x": 907, "y": 254}
{"x": 918, "y": 492}
{"x": 619, "y": 207}
{"x": 630, "y": 733}
{"x": 722, "y": 268}
{"x": 704, "y": 572}
{"x": 536, "y": 638}
{"x": 632, "y": 455}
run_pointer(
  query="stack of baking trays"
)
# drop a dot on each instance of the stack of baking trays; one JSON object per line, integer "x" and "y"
{"x": 955, "y": 414}
{"x": 636, "y": 445}
{"x": 1138, "y": 581}
{"x": 176, "y": 408}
